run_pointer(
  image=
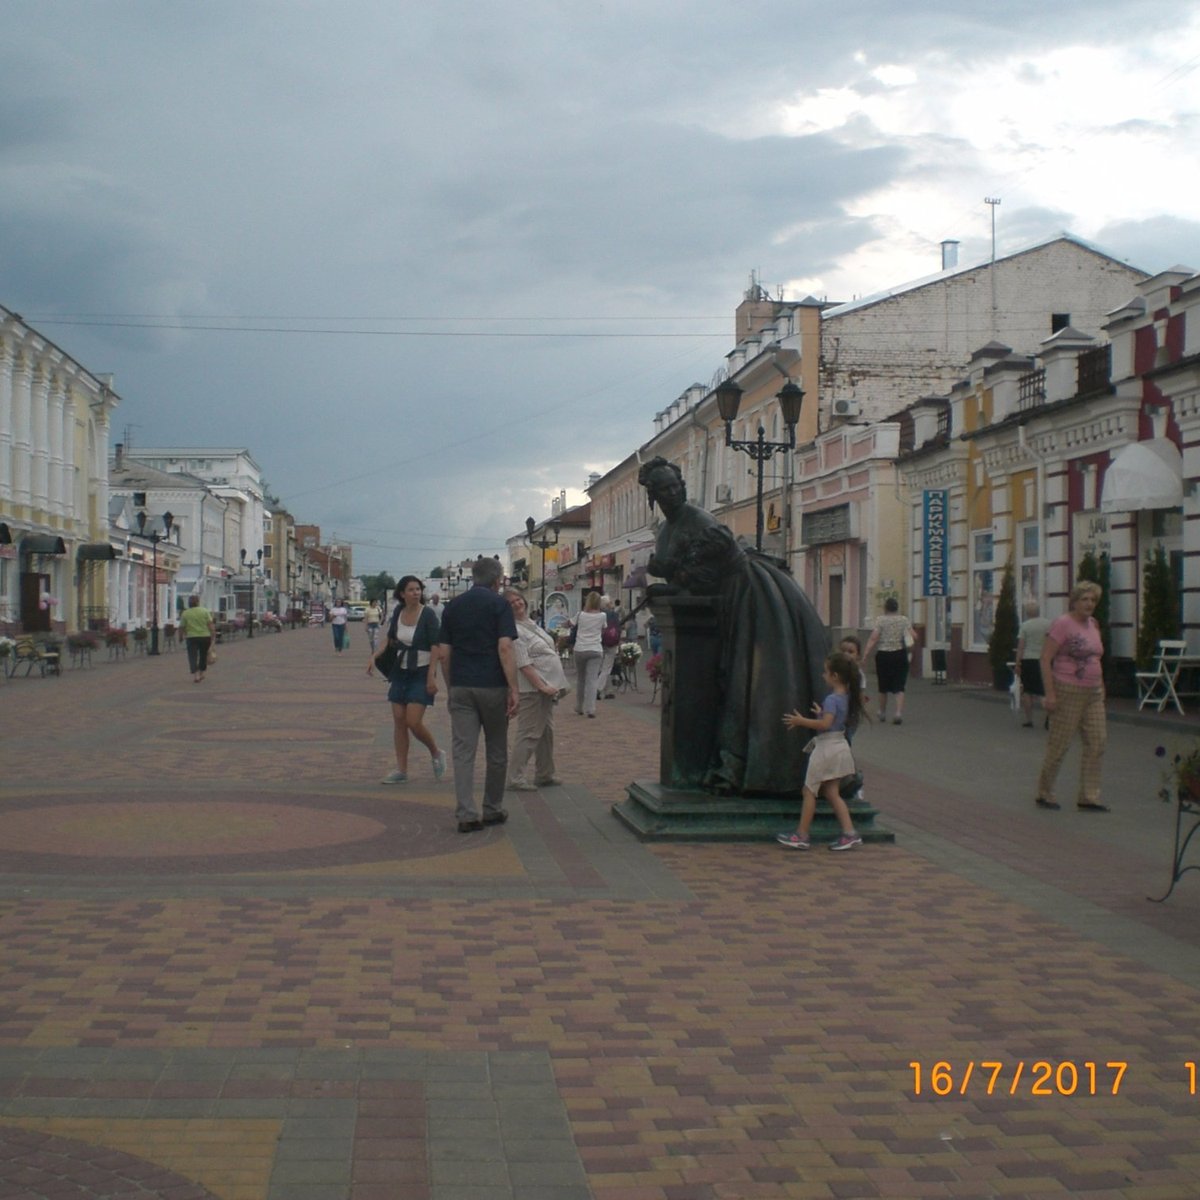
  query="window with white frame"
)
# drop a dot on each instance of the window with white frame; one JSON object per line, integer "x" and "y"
{"x": 1028, "y": 571}
{"x": 984, "y": 585}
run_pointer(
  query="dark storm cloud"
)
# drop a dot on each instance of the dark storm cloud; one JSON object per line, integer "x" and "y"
{"x": 301, "y": 160}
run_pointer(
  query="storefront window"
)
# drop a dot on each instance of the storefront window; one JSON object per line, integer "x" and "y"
{"x": 983, "y": 589}
{"x": 1028, "y": 541}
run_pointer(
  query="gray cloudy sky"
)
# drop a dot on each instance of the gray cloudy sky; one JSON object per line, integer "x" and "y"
{"x": 453, "y": 257}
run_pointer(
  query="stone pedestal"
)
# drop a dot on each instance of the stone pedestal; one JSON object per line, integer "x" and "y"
{"x": 662, "y": 814}
{"x": 689, "y": 702}
{"x": 675, "y": 808}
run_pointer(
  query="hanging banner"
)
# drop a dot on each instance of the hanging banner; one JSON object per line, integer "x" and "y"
{"x": 934, "y": 535}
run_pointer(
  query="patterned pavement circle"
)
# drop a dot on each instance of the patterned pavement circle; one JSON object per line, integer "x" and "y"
{"x": 192, "y": 834}
{"x": 40, "y": 1164}
{"x": 296, "y": 733}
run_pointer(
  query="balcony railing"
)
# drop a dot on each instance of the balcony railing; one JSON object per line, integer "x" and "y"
{"x": 1032, "y": 390}
{"x": 1094, "y": 370}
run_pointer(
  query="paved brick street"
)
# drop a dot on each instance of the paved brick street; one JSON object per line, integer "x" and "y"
{"x": 234, "y": 966}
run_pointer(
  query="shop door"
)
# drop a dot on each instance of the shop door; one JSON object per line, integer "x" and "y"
{"x": 34, "y": 618}
{"x": 835, "y": 600}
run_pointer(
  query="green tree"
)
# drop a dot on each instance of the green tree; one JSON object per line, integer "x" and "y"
{"x": 1160, "y": 606}
{"x": 378, "y": 587}
{"x": 437, "y": 573}
{"x": 1002, "y": 645}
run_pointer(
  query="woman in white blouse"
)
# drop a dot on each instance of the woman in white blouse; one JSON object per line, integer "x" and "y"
{"x": 891, "y": 639}
{"x": 589, "y": 651}
{"x": 541, "y": 680}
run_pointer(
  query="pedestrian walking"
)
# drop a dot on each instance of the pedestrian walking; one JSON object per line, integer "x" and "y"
{"x": 588, "y": 653}
{"x": 478, "y": 662}
{"x": 610, "y": 641}
{"x": 1031, "y": 640}
{"x": 1073, "y": 679}
{"x": 541, "y": 681}
{"x": 339, "y": 614}
{"x": 373, "y": 618}
{"x": 829, "y": 757}
{"x": 199, "y": 630}
{"x": 896, "y": 639}
{"x": 412, "y": 686}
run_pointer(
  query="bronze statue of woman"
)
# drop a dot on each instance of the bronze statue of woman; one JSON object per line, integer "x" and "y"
{"x": 773, "y": 643}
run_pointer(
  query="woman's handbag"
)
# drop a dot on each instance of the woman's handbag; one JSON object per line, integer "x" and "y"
{"x": 385, "y": 660}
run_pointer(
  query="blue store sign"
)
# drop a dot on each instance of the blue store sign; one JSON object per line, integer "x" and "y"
{"x": 935, "y": 535}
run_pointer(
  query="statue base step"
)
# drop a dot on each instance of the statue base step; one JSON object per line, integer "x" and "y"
{"x": 661, "y": 814}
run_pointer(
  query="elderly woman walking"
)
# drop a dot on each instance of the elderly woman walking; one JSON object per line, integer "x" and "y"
{"x": 1073, "y": 680}
{"x": 541, "y": 680}
{"x": 892, "y": 639}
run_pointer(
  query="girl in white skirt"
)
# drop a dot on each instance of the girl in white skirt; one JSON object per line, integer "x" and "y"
{"x": 829, "y": 757}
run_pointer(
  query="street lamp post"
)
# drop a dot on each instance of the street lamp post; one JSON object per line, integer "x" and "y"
{"x": 791, "y": 400}
{"x": 248, "y": 567}
{"x": 155, "y": 537}
{"x": 542, "y": 544}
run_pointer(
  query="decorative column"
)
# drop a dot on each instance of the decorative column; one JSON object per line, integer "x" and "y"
{"x": 56, "y": 502}
{"x": 22, "y": 445}
{"x": 39, "y": 400}
{"x": 6, "y": 418}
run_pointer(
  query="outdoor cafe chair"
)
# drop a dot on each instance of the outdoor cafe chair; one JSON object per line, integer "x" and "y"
{"x": 1159, "y": 687}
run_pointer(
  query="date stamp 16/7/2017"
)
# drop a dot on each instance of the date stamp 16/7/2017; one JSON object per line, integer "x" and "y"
{"x": 1039, "y": 1077}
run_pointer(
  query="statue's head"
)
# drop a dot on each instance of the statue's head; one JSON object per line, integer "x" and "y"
{"x": 663, "y": 482}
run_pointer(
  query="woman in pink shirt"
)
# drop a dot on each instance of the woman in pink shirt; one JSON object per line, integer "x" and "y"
{"x": 1074, "y": 685}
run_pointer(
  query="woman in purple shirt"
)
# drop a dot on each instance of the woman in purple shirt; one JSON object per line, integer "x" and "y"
{"x": 1074, "y": 684}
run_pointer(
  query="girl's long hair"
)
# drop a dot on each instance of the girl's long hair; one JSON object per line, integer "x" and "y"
{"x": 846, "y": 671}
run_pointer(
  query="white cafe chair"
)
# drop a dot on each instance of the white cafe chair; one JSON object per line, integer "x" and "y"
{"x": 1158, "y": 687}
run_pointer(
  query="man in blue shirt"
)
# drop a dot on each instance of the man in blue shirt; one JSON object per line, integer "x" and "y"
{"x": 479, "y": 665}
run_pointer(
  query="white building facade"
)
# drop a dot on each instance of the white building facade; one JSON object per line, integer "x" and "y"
{"x": 54, "y": 431}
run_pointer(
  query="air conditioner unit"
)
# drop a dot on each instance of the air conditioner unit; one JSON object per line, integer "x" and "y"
{"x": 724, "y": 493}
{"x": 847, "y": 408}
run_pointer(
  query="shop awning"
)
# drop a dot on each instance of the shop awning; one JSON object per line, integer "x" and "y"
{"x": 42, "y": 543}
{"x": 96, "y": 552}
{"x": 1144, "y": 475}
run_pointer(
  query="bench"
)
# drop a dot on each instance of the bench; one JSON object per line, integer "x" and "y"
{"x": 43, "y": 655}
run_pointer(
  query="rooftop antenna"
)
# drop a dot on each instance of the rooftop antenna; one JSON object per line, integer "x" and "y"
{"x": 992, "y": 202}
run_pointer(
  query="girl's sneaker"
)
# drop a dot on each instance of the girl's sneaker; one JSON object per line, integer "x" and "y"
{"x": 793, "y": 841}
{"x": 846, "y": 842}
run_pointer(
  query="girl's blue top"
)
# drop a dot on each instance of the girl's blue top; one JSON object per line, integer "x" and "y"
{"x": 837, "y": 703}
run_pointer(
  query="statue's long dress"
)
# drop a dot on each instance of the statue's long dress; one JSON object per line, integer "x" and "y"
{"x": 773, "y": 651}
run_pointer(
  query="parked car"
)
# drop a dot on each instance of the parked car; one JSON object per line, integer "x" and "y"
{"x": 356, "y": 611}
